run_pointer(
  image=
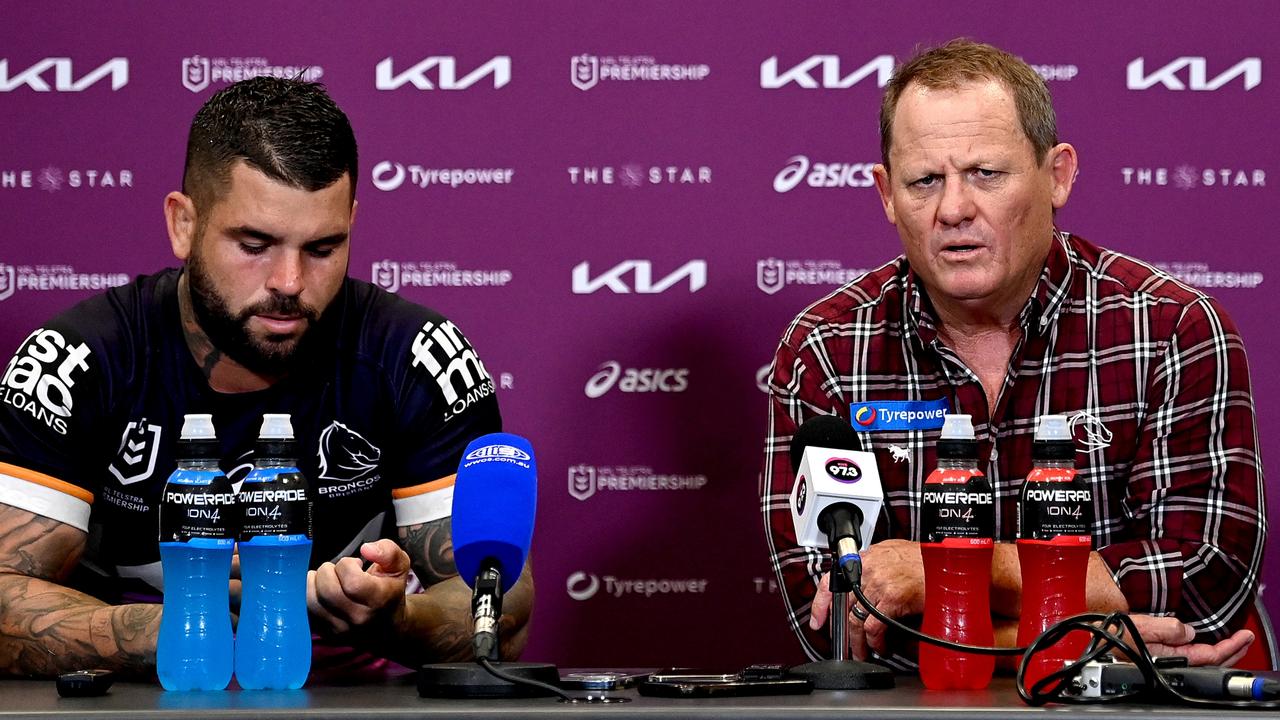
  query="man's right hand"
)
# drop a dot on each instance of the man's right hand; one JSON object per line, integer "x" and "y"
{"x": 893, "y": 579}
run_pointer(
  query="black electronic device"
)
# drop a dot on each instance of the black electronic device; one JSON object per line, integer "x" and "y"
{"x": 85, "y": 683}
{"x": 602, "y": 679}
{"x": 734, "y": 688}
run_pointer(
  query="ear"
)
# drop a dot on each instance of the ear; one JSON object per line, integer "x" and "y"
{"x": 355, "y": 205}
{"x": 881, "y": 174}
{"x": 1063, "y": 166}
{"x": 180, "y": 218}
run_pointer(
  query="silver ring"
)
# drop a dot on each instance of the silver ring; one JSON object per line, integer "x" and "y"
{"x": 859, "y": 612}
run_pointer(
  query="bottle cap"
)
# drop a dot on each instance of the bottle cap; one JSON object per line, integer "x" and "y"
{"x": 197, "y": 426}
{"x": 957, "y": 427}
{"x": 276, "y": 426}
{"x": 1053, "y": 428}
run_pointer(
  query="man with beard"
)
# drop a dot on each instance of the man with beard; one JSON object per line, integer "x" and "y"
{"x": 262, "y": 318}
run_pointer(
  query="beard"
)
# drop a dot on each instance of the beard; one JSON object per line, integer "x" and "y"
{"x": 270, "y": 354}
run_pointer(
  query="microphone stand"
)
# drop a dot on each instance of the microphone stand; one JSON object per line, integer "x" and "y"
{"x": 841, "y": 672}
{"x": 476, "y": 680}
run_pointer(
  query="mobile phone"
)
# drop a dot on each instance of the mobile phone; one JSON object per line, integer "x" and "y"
{"x": 85, "y": 683}
{"x": 601, "y": 679}
{"x": 692, "y": 675}
{"x": 737, "y": 688}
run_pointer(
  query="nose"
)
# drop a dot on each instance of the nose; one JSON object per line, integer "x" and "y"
{"x": 956, "y": 205}
{"x": 286, "y": 272}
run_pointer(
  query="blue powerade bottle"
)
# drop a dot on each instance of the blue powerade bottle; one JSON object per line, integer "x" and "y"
{"x": 193, "y": 651}
{"x": 273, "y": 640}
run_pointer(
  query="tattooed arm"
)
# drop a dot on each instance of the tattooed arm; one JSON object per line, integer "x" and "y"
{"x": 368, "y": 607}
{"x": 47, "y": 628}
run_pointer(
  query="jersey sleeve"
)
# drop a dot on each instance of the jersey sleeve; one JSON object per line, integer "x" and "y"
{"x": 50, "y": 392}
{"x": 445, "y": 399}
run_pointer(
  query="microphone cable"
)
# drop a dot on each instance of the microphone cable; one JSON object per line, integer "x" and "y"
{"x": 1062, "y": 686}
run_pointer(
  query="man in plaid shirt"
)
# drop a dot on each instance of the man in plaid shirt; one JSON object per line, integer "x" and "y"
{"x": 995, "y": 313}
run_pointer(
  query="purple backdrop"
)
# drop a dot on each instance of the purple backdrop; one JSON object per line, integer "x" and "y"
{"x": 660, "y": 144}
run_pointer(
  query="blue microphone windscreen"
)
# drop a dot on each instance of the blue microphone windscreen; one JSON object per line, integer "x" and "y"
{"x": 494, "y": 502}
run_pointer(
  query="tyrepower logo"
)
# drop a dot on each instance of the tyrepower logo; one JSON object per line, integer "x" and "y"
{"x": 388, "y": 176}
{"x": 823, "y": 174}
{"x": 830, "y": 74}
{"x": 37, "y": 76}
{"x": 641, "y": 272}
{"x": 444, "y": 70}
{"x": 584, "y": 586}
{"x": 636, "y": 380}
{"x": 1192, "y": 73}
{"x": 39, "y": 378}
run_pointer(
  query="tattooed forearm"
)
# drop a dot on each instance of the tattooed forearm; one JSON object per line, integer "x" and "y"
{"x": 430, "y": 548}
{"x": 46, "y": 628}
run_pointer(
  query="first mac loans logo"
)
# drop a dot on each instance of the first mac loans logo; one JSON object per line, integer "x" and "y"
{"x": 442, "y": 350}
{"x": 39, "y": 378}
{"x": 64, "y": 80}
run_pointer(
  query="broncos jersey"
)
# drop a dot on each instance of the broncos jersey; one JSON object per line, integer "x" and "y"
{"x": 387, "y": 398}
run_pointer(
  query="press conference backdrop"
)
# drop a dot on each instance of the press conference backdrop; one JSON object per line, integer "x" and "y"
{"x": 623, "y": 205}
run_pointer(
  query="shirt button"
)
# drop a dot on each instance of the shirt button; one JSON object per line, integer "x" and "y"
{"x": 995, "y": 454}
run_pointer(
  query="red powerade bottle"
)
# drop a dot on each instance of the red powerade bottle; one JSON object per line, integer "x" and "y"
{"x": 957, "y": 522}
{"x": 1055, "y": 517}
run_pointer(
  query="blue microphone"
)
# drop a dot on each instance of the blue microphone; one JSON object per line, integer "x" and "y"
{"x": 495, "y": 499}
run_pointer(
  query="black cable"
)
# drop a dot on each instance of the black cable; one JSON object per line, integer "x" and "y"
{"x": 1108, "y": 637}
{"x": 488, "y": 665}
{"x": 975, "y": 649}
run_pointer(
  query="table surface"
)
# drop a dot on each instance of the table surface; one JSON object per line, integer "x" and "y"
{"x": 909, "y": 701}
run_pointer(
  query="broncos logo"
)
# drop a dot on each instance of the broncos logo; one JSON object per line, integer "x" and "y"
{"x": 1089, "y": 431}
{"x": 345, "y": 455}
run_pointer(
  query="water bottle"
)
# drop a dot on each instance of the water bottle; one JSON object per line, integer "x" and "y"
{"x": 1055, "y": 516}
{"x": 273, "y": 640}
{"x": 957, "y": 527}
{"x": 197, "y": 512}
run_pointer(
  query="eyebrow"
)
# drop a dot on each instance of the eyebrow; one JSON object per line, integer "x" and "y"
{"x": 266, "y": 237}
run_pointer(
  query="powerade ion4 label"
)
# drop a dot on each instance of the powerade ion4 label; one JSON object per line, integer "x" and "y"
{"x": 197, "y": 504}
{"x": 958, "y": 508}
{"x": 274, "y": 502}
{"x": 1056, "y": 507}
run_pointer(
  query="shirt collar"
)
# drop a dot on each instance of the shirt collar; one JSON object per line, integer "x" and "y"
{"x": 1039, "y": 313}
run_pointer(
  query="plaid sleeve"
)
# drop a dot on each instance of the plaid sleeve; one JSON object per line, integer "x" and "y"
{"x": 796, "y": 392}
{"x": 1195, "y": 491}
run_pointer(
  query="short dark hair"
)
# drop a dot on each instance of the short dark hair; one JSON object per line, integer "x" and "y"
{"x": 963, "y": 61}
{"x": 288, "y": 129}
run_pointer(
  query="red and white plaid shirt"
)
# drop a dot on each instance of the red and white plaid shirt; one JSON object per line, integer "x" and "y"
{"x": 1152, "y": 373}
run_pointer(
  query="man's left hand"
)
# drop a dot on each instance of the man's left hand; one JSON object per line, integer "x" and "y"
{"x": 1168, "y": 636}
{"x": 347, "y": 595}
